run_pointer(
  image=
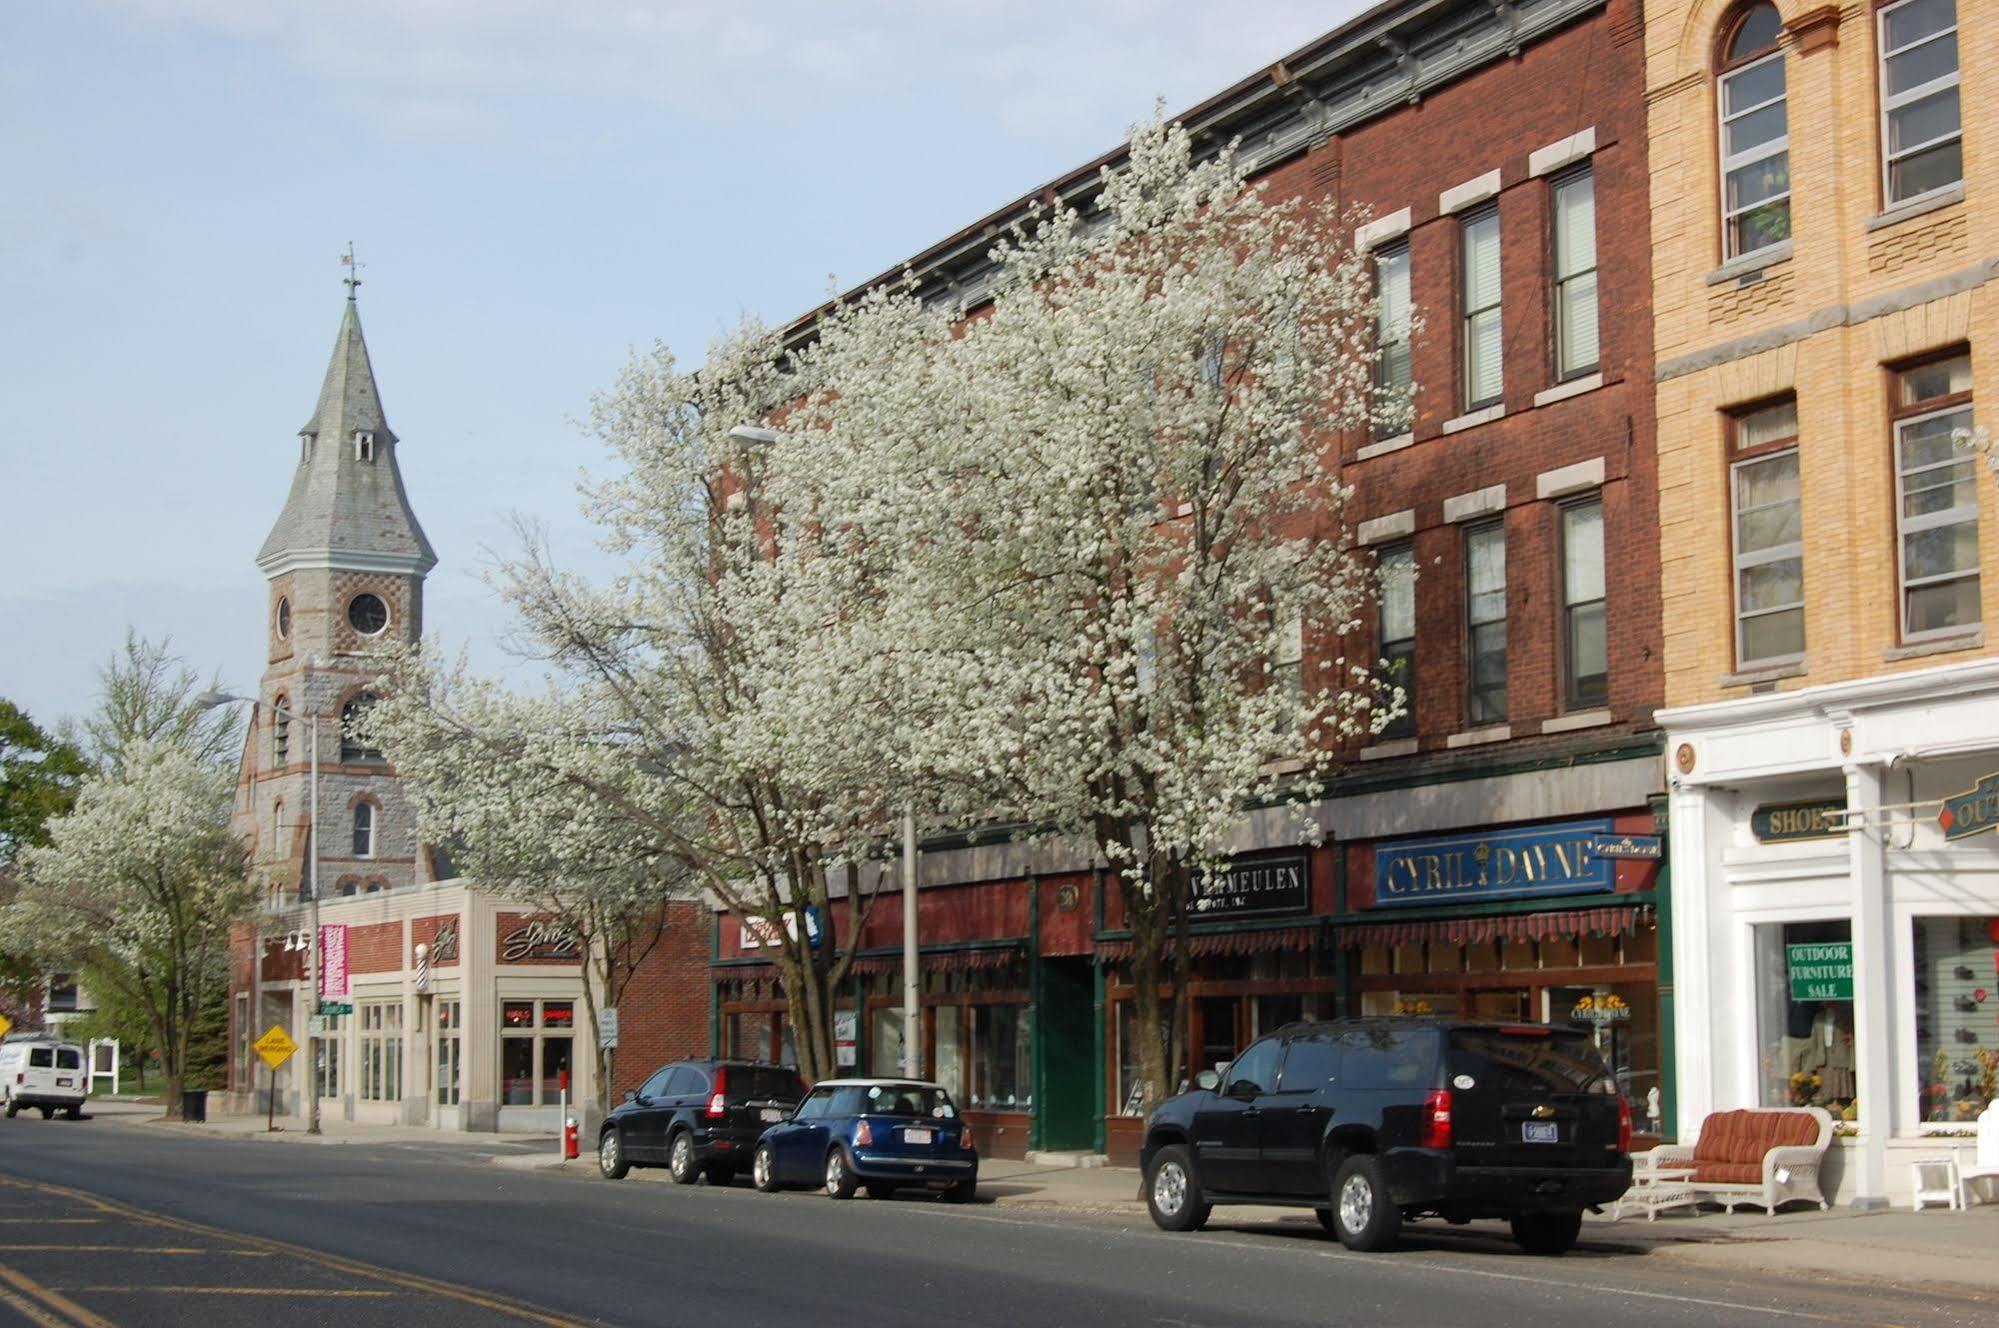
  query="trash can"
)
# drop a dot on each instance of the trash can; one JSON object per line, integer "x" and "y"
{"x": 194, "y": 1105}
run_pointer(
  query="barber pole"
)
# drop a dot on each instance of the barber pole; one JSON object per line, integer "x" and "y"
{"x": 422, "y": 966}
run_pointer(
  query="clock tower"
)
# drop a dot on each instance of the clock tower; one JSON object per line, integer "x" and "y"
{"x": 345, "y": 564}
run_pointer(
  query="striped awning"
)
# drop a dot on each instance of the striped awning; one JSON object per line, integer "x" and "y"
{"x": 940, "y": 961}
{"x": 1264, "y": 941}
{"x": 1612, "y": 921}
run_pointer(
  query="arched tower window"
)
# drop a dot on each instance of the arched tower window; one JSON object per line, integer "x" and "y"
{"x": 281, "y": 731}
{"x": 352, "y": 746}
{"x": 364, "y": 829}
{"x": 278, "y": 828}
{"x": 1755, "y": 136}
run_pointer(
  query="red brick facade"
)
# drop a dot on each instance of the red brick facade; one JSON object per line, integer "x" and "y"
{"x": 664, "y": 1012}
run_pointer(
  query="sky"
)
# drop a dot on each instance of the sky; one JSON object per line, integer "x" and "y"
{"x": 536, "y": 188}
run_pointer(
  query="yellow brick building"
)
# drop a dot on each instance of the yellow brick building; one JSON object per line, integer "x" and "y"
{"x": 1826, "y": 315}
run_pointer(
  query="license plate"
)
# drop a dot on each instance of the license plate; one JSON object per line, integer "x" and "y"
{"x": 1539, "y": 1132}
{"x": 770, "y": 1113}
{"x": 916, "y": 1136}
{"x": 65, "y": 1083}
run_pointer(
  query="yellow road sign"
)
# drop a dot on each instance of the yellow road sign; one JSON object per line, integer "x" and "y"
{"x": 276, "y": 1046}
{"x": 6, "y": 1025}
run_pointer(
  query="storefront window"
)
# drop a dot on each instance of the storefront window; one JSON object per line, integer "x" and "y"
{"x": 1623, "y": 1020}
{"x": 555, "y": 1053}
{"x": 1957, "y": 1038}
{"x": 450, "y": 1043}
{"x": 517, "y": 1014}
{"x": 1804, "y": 1016}
{"x": 1001, "y": 1074}
{"x": 516, "y": 1071}
{"x": 885, "y": 1041}
{"x": 532, "y": 1061}
{"x": 952, "y": 1031}
{"x": 326, "y": 1056}
{"x": 381, "y": 1050}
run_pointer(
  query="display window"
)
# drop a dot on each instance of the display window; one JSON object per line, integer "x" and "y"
{"x": 1804, "y": 1016}
{"x": 1957, "y": 1017}
{"x": 537, "y": 1047}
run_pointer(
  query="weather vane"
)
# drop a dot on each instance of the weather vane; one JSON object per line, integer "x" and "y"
{"x": 353, "y": 266}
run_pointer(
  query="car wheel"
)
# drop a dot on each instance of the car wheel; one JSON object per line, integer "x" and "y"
{"x": 1547, "y": 1233}
{"x": 1363, "y": 1217}
{"x": 1173, "y": 1191}
{"x": 75, "y": 1112}
{"x": 48, "y": 1113}
{"x": 13, "y": 1108}
{"x": 840, "y": 1183}
{"x": 611, "y": 1160}
{"x": 680, "y": 1160}
{"x": 763, "y": 1170}
{"x": 963, "y": 1192}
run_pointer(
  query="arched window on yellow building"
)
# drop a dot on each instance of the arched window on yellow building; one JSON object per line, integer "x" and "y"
{"x": 1754, "y": 134}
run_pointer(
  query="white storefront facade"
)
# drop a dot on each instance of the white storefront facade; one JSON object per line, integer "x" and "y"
{"x": 1835, "y": 913}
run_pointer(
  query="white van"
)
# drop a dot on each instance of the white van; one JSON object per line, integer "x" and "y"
{"x": 43, "y": 1073}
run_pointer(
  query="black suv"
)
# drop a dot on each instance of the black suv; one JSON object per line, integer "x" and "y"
{"x": 697, "y": 1118}
{"x": 1372, "y": 1121}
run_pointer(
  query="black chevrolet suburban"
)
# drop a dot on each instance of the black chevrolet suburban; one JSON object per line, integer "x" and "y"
{"x": 697, "y": 1118}
{"x": 1374, "y": 1121}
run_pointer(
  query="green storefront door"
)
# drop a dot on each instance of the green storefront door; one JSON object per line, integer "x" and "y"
{"x": 1065, "y": 1055}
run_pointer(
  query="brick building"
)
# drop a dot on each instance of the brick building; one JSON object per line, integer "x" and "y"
{"x": 458, "y": 1008}
{"x": 1500, "y": 154}
{"x": 1825, "y": 319}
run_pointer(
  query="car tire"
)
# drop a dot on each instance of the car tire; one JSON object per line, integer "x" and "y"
{"x": 13, "y": 1108}
{"x": 1364, "y": 1218}
{"x": 612, "y": 1163}
{"x": 48, "y": 1113}
{"x": 963, "y": 1192}
{"x": 763, "y": 1170}
{"x": 840, "y": 1182}
{"x": 1173, "y": 1191}
{"x": 75, "y": 1112}
{"x": 1548, "y": 1233}
{"x": 680, "y": 1162}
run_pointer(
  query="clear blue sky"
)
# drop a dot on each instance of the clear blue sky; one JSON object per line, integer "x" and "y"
{"x": 536, "y": 188}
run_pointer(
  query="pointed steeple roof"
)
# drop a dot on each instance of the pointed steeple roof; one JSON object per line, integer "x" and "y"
{"x": 347, "y": 506}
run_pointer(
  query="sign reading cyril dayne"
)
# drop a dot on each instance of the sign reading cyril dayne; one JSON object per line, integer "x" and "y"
{"x": 1257, "y": 885}
{"x": 1503, "y": 864}
{"x": 1971, "y": 811}
{"x": 1782, "y": 822}
{"x": 1821, "y": 970}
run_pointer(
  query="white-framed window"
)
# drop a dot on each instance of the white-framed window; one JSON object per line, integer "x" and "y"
{"x": 1768, "y": 536}
{"x": 1755, "y": 136}
{"x": 1574, "y": 197}
{"x": 1936, "y": 499}
{"x": 1922, "y": 147}
{"x": 381, "y": 1050}
{"x": 1483, "y": 343}
{"x": 1485, "y": 623}
{"x": 364, "y": 829}
{"x": 1287, "y": 665}
{"x": 450, "y": 1050}
{"x": 326, "y": 1056}
{"x": 1398, "y": 634}
{"x": 537, "y": 1042}
{"x": 1585, "y": 633}
{"x": 1394, "y": 378}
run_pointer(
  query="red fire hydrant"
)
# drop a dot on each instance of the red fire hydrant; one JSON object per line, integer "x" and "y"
{"x": 569, "y": 1139}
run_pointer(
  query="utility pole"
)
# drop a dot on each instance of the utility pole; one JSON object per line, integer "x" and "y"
{"x": 912, "y": 1012}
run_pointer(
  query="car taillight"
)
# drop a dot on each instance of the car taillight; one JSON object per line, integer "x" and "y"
{"x": 862, "y": 1134}
{"x": 20, "y": 1077}
{"x": 718, "y": 1105}
{"x": 1623, "y": 1123}
{"x": 1437, "y": 1119}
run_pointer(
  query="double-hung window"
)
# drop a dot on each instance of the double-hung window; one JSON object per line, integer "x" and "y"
{"x": 1575, "y": 274}
{"x": 1769, "y": 536}
{"x": 1755, "y": 137}
{"x": 1287, "y": 666}
{"x": 1485, "y": 623}
{"x": 1393, "y": 372}
{"x": 1936, "y": 494}
{"x": 1398, "y": 634}
{"x": 1585, "y": 634}
{"x": 1922, "y": 128}
{"x": 1483, "y": 342}
{"x": 381, "y": 1050}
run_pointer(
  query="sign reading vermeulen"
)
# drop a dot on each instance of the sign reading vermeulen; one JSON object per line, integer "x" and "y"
{"x": 1975, "y": 809}
{"x": 1782, "y": 822}
{"x": 1500, "y": 864}
{"x": 1254, "y": 886}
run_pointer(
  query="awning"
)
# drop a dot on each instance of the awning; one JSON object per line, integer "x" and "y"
{"x": 1266, "y": 941}
{"x": 1613, "y": 921}
{"x": 940, "y": 961}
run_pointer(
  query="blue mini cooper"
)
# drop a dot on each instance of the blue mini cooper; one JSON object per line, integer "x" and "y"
{"x": 886, "y": 1134}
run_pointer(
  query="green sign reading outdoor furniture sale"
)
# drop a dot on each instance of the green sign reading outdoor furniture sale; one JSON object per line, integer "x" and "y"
{"x": 1821, "y": 971}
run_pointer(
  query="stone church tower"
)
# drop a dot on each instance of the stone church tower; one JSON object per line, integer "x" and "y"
{"x": 346, "y": 563}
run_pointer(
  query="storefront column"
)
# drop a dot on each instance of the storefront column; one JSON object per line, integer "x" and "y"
{"x": 1873, "y": 985}
{"x": 1695, "y": 940}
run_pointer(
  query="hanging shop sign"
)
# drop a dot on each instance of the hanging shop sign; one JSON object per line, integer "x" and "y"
{"x": 333, "y": 960}
{"x": 542, "y": 939}
{"x": 1821, "y": 971}
{"x": 1254, "y": 887}
{"x": 846, "y": 1037}
{"x": 1785, "y": 822}
{"x": 1633, "y": 848}
{"x": 759, "y": 932}
{"x": 1971, "y": 811}
{"x": 1500, "y": 864}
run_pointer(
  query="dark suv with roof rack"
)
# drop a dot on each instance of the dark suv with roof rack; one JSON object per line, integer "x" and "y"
{"x": 696, "y": 1118}
{"x": 1374, "y": 1121}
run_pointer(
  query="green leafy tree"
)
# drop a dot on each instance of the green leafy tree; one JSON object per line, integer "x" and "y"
{"x": 146, "y": 694}
{"x": 39, "y": 777}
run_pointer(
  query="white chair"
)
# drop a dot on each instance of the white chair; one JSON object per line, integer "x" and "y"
{"x": 1986, "y": 1165}
{"x": 1935, "y": 1181}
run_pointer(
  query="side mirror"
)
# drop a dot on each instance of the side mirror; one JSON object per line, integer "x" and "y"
{"x": 631, "y": 1095}
{"x": 1208, "y": 1079}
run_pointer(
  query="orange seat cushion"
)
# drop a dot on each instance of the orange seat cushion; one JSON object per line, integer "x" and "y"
{"x": 1728, "y": 1173}
{"x": 1741, "y": 1138}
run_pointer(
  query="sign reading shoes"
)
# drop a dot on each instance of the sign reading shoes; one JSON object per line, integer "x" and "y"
{"x": 1501, "y": 864}
{"x": 1977, "y": 808}
{"x": 1784, "y": 822}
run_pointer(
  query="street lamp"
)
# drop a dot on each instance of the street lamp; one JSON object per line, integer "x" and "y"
{"x": 208, "y": 701}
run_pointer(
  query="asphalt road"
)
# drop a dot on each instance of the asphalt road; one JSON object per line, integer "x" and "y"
{"x": 105, "y": 1223}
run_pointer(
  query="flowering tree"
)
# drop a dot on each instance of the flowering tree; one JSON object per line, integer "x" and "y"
{"x": 141, "y": 885}
{"x": 1095, "y": 523}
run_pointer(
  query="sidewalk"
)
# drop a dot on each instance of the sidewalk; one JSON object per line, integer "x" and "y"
{"x": 1933, "y": 1247}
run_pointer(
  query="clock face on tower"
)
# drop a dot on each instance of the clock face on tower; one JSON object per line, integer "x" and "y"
{"x": 367, "y": 613}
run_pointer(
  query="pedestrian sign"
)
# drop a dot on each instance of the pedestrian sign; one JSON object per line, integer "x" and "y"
{"x": 276, "y": 1046}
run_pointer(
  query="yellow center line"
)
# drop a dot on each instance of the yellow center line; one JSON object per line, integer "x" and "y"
{"x": 49, "y": 1221}
{"x": 30, "y": 1311}
{"x": 498, "y": 1304}
{"x": 125, "y": 1249}
{"x": 68, "y": 1313}
{"x": 238, "y": 1291}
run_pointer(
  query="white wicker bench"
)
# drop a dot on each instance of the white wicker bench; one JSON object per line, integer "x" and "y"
{"x": 1748, "y": 1157}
